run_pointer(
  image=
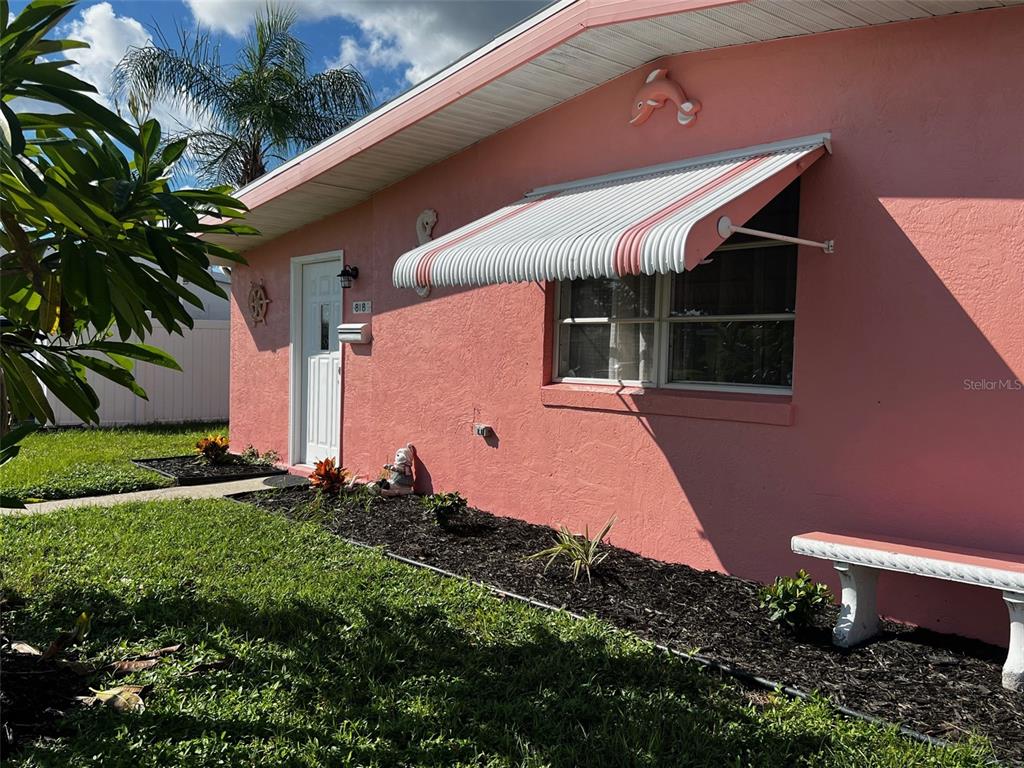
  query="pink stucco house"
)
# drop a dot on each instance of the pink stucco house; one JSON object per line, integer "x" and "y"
{"x": 586, "y": 295}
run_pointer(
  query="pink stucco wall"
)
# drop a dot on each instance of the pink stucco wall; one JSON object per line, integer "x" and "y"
{"x": 924, "y": 196}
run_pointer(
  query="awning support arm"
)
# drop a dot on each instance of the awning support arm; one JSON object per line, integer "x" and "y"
{"x": 726, "y": 228}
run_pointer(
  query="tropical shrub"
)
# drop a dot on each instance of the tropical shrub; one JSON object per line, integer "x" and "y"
{"x": 213, "y": 449}
{"x": 327, "y": 477}
{"x": 585, "y": 553}
{"x": 794, "y": 600}
{"x": 446, "y": 507}
{"x": 252, "y": 455}
{"x": 96, "y": 247}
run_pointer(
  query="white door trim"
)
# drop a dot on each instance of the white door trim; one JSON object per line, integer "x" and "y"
{"x": 295, "y": 349}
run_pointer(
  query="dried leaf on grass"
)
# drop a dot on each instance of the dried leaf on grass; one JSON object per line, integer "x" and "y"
{"x": 82, "y": 625}
{"x": 165, "y": 651}
{"x": 210, "y": 666}
{"x": 143, "y": 660}
{"x": 123, "y": 698}
{"x": 25, "y": 648}
{"x": 128, "y": 666}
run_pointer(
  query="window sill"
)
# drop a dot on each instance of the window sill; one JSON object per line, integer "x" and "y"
{"x": 723, "y": 406}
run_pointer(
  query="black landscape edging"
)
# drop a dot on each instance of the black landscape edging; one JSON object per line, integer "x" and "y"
{"x": 737, "y": 673}
{"x": 919, "y": 682}
{"x": 245, "y": 471}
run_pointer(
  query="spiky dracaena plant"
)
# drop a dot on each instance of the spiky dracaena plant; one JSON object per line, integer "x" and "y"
{"x": 265, "y": 106}
{"x": 585, "y": 553}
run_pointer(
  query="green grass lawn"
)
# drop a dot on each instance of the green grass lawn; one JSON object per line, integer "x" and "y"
{"x": 65, "y": 463}
{"x": 344, "y": 657}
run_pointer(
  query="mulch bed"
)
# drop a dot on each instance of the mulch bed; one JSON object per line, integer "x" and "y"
{"x": 190, "y": 470}
{"x": 941, "y": 685}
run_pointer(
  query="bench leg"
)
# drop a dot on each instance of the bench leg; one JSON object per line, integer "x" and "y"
{"x": 858, "y": 618}
{"x": 1013, "y": 669}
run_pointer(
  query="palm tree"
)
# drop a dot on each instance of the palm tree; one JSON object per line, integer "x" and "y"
{"x": 262, "y": 108}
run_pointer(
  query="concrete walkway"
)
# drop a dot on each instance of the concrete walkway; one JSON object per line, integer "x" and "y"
{"x": 210, "y": 491}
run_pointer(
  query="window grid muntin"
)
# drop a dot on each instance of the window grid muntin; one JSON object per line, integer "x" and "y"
{"x": 662, "y": 336}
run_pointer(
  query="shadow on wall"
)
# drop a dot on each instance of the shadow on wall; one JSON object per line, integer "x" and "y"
{"x": 424, "y": 480}
{"x": 890, "y": 437}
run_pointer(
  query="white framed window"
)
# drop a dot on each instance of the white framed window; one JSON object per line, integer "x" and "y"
{"x": 726, "y": 325}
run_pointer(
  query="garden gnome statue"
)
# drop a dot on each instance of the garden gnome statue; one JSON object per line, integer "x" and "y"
{"x": 400, "y": 480}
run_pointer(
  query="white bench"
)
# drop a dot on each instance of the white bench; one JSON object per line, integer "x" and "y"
{"x": 859, "y": 560}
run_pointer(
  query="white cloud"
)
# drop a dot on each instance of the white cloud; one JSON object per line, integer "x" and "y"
{"x": 413, "y": 37}
{"x": 231, "y": 16}
{"x": 109, "y": 36}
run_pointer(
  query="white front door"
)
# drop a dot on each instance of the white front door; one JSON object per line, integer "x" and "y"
{"x": 321, "y": 392}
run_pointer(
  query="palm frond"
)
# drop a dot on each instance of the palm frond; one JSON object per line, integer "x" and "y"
{"x": 189, "y": 77}
{"x": 271, "y": 44}
{"x": 263, "y": 107}
{"x": 224, "y": 156}
{"x": 329, "y": 101}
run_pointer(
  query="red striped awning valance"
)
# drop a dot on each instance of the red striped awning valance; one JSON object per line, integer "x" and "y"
{"x": 653, "y": 220}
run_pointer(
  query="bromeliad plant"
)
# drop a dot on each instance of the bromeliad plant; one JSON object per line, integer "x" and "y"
{"x": 213, "y": 449}
{"x": 794, "y": 600}
{"x": 585, "y": 553}
{"x": 328, "y": 478}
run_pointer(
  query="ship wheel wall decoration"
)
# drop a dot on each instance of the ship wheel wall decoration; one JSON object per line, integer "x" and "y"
{"x": 258, "y": 303}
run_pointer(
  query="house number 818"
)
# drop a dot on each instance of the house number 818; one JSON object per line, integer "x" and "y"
{"x": 361, "y": 307}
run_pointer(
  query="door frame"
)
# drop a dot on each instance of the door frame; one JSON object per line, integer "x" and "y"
{"x": 295, "y": 346}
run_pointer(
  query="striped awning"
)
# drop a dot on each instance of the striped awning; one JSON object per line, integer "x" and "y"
{"x": 653, "y": 220}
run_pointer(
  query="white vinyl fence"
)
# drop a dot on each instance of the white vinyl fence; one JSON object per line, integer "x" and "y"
{"x": 198, "y": 392}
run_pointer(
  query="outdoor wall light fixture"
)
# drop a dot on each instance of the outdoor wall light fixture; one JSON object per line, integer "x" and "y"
{"x": 347, "y": 275}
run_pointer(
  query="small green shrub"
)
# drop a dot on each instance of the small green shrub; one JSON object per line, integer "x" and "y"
{"x": 251, "y": 455}
{"x": 794, "y": 600}
{"x": 585, "y": 553}
{"x": 446, "y": 507}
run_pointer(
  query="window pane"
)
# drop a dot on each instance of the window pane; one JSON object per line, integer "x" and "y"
{"x": 754, "y": 281}
{"x": 625, "y": 297}
{"x": 614, "y": 351}
{"x": 325, "y": 327}
{"x": 753, "y": 353}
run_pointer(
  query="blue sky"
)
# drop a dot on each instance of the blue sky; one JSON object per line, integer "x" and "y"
{"x": 394, "y": 43}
